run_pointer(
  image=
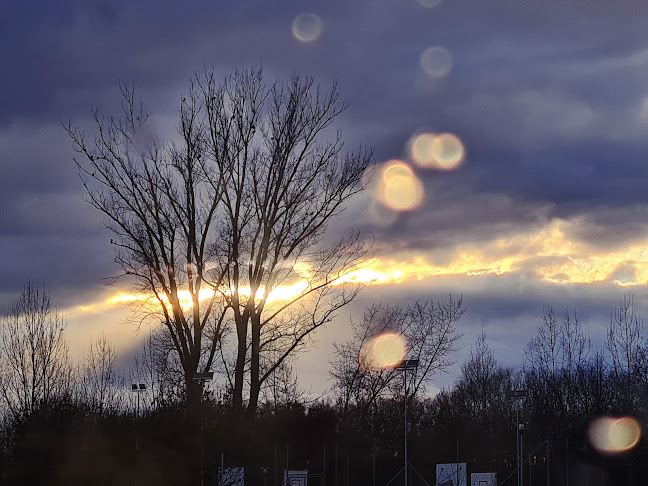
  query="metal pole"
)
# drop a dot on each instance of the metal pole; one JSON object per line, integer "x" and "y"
{"x": 222, "y": 471}
{"x": 274, "y": 471}
{"x": 324, "y": 467}
{"x": 347, "y": 468}
{"x": 336, "y": 461}
{"x": 202, "y": 453}
{"x": 517, "y": 440}
{"x": 374, "y": 462}
{"x": 567, "y": 461}
{"x": 548, "y": 470}
{"x": 457, "y": 464}
{"x": 522, "y": 458}
{"x": 405, "y": 414}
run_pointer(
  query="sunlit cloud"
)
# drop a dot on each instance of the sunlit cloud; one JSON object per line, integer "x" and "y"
{"x": 307, "y": 27}
{"x": 443, "y": 151}
{"x": 545, "y": 255}
{"x": 436, "y": 62}
{"x": 610, "y": 435}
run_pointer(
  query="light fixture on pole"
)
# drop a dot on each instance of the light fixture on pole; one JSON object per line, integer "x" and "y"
{"x": 138, "y": 388}
{"x": 406, "y": 364}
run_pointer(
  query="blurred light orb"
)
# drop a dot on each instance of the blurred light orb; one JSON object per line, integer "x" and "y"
{"x": 610, "y": 435}
{"x": 430, "y": 3}
{"x": 393, "y": 168}
{"x": 436, "y": 62}
{"x": 400, "y": 189}
{"x": 444, "y": 151}
{"x": 307, "y": 27}
{"x": 449, "y": 151}
{"x": 385, "y": 350}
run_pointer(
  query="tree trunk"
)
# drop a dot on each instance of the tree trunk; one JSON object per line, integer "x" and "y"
{"x": 241, "y": 331}
{"x": 255, "y": 379}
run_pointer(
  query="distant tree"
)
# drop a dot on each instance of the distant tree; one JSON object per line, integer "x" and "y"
{"x": 234, "y": 208}
{"x": 626, "y": 338}
{"x": 356, "y": 383}
{"x": 483, "y": 384}
{"x": 427, "y": 327}
{"x": 556, "y": 362}
{"x": 627, "y": 347}
{"x": 101, "y": 385}
{"x": 34, "y": 365}
{"x": 282, "y": 388}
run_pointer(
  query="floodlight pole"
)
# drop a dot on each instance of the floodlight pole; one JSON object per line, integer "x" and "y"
{"x": 201, "y": 379}
{"x": 403, "y": 366}
{"x": 518, "y": 395}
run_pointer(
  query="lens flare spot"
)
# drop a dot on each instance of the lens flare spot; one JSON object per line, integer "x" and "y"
{"x": 384, "y": 351}
{"x": 400, "y": 189}
{"x": 307, "y": 27}
{"x": 444, "y": 151}
{"x": 430, "y": 3}
{"x": 436, "y": 62}
{"x": 610, "y": 435}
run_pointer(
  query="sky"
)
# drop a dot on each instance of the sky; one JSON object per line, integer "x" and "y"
{"x": 547, "y": 103}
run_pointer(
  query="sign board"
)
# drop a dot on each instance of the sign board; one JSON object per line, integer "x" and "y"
{"x": 233, "y": 476}
{"x": 451, "y": 474}
{"x": 483, "y": 479}
{"x": 295, "y": 478}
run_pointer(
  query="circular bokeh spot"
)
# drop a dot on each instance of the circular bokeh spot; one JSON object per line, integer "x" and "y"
{"x": 385, "y": 351}
{"x": 400, "y": 189}
{"x": 307, "y": 27}
{"x": 610, "y": 435}
{"x": 436, "y": 62}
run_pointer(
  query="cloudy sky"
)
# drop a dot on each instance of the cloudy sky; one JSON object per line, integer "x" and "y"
{"x": 548, "y": 99}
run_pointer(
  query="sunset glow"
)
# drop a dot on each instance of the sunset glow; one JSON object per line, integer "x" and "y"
{"x": 545, "y": 255}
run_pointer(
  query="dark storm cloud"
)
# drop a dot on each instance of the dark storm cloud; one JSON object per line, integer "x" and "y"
{"x": 548, "y": 100}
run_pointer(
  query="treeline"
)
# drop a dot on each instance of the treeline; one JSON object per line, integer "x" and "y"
{"x": 65, "y": 423}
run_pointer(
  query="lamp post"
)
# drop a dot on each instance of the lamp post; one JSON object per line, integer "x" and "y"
{"x": 202, "y": 378}
{"x": 519, "y": 430}
{"x": 138, "y": 388}
{"x": 406, "y": 364}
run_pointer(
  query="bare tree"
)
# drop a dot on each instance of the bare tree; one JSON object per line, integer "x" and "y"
{"x": 357, "y": 383}
{"x": 282, "y": 388}
{"x": 626, "y": 338}
{"x": 232, "y": 210}
{"x": 428, "y": 327}
{"x": 575, "y": 344}
{"x": 482, "y": 387}
{"x": 432, "y": 336}
{"x": 543, "y": 352}
{"x": 34, "y": 364}
{"x": 101, "y": 385}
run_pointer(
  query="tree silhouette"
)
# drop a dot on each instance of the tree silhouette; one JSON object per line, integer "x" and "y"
{"x": 211, "y": 223}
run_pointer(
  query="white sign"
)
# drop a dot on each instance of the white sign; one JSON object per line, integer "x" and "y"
{"x": 483, "y": 479}
{"x": 451, "y": 474}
